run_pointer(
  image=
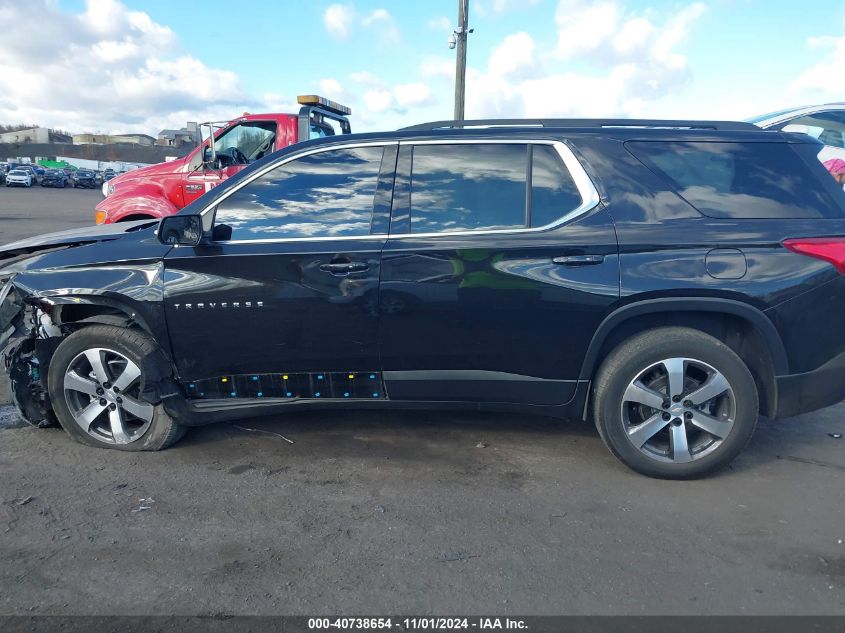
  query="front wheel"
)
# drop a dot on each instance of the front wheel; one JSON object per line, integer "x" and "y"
{"x": 674, "y": 403}
{"x": 96, "y": 380}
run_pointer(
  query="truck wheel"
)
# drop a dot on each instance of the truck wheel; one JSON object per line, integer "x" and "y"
{"x": 674, "y": 403}
{"x": 95, "y": 381}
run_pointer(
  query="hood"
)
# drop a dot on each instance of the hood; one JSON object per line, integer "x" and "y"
{"x": 150, "y": 171}
{"x": 74, "y": 237}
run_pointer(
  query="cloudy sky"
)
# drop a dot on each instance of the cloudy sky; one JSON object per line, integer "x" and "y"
{"x": 139, "y": 66}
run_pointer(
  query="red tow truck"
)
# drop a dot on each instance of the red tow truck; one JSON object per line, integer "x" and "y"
{"x": 163, "y": 189}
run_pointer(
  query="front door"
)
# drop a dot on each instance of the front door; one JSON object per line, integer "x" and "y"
{"x": 500, "y": 264}
{"x": 290, "y": 298}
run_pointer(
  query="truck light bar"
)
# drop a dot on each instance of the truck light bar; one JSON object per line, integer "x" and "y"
{"x": 326, "y": 104}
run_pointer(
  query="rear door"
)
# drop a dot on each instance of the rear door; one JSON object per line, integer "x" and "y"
{"x": 500, "y": 264}
{"x": 294, "y": 289}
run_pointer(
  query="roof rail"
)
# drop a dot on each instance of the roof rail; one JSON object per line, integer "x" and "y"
{"x": 585, "y": 123}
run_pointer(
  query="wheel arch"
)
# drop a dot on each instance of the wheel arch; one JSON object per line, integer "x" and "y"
{"x": 82, "y": 311}
{"x": 744, "y": 328}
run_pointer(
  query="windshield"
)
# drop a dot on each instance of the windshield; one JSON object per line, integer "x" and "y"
{"x": 18, "y": 172}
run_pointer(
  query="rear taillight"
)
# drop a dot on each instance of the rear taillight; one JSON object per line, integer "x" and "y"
{"x": 829, "y": 249}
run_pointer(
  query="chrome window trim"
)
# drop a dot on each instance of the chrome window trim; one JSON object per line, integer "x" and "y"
{"x": 589, "y": 195}
{"x": 284, "y": 161}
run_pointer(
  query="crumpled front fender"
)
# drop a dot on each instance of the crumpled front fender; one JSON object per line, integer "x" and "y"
{"x": 11, "y": 306}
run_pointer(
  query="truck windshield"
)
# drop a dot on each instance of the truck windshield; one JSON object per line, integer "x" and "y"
{"x": 253, "y": 139}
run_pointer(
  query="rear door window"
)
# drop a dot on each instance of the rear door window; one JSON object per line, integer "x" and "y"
{"x": 740, "y": 180}
{"x": 489, "y": 187}
{"x": 468, "y": 187}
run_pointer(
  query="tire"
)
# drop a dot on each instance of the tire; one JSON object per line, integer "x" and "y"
{"x": 630, "y": 397}
{"x": 73, "y": 383}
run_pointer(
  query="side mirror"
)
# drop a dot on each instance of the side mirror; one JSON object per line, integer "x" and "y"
{"x": 182, "y": 230}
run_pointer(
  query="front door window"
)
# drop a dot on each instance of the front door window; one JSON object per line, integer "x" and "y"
{"x": 327, "y": 194}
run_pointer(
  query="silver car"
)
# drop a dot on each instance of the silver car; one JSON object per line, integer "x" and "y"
{"x": 18, "y": 177}
{"x": 826, "y": 122}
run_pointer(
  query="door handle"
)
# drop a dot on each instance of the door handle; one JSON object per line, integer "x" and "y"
{"x": 579, "y": 260}
{"x": 344, "y": 268}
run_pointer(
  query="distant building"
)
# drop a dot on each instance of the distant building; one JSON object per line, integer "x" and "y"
{"x": 134, "y": 139}
{"x": 32, "y": 135}
{"x": 113, "y": 139}
{"x": 188, "y": 135}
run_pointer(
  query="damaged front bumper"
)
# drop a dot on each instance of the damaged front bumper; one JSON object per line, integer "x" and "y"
{"x": 26, "y": 356}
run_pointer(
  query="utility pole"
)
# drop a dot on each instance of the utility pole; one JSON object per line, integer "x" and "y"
{"x": 461, "y": 63}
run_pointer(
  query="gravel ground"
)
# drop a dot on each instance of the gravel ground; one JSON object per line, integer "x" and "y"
{"x": 377, "y": 513}
{"x": 408, "y": 513}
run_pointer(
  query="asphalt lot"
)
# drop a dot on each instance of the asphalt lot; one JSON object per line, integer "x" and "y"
{"x": 369, "y": 513}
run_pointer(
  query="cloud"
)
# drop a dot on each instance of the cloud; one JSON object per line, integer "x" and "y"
{"x": 384, "y": 25}
{"x": 378, "y": 100}
{"x": 413, "y": 95}
{"x": 338, "y": 20}
{"x": 514, "y": 56}
{"x": 379, "y": 15}
{"x": 823, "y": 81}
{"x": 629, "y": 60}
{"x": 437, "y": 67}
{"x": 106, "y": 69}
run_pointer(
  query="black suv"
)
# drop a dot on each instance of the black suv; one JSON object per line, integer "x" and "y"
{"x": 668, "y": 280}
{"x": 85, "y": 179}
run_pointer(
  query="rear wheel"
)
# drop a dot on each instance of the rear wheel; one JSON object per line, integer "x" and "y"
{"x": 674, "y": 403}
{"x": 96, "y": 380}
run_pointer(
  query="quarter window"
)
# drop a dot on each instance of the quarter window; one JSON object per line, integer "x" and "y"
{"x": 553, "y": 190}
{"x": 327, "y": 194}
{"x": 740, "y": 180}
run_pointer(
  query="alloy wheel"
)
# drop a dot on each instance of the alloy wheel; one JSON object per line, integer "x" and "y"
{"x": 102, "y": 391}
{"x": 678, "y": 410}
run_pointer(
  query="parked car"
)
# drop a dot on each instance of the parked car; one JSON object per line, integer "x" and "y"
{"x": 108, "y": 174}
{"x": 825, "y": 122}
{"x": 4, "y": 167}
{"x": 39, "y": 171}
{"x": 19, "y": 178}
{"x": 651, "y": 276}
{"x": 27, "y": 168}
{"x": 84, "y": 178}
{"x": 54, "y": 178}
